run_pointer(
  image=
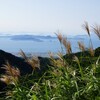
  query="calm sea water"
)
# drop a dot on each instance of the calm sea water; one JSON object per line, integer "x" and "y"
{"x": 42, "y": 48}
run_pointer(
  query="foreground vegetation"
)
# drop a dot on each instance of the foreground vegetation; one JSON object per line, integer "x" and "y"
{"x": 69, "y": 77}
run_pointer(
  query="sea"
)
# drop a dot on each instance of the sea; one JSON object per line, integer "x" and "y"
{"x": 39, "y": 45}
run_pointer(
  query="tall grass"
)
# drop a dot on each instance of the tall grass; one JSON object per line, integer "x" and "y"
{"x": 69, "y": 77}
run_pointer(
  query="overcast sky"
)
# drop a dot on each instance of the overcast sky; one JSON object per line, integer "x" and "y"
{"x": 48, "y": 15}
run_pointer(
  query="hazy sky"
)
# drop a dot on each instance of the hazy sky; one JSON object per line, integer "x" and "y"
{"x": 48, "y": 15}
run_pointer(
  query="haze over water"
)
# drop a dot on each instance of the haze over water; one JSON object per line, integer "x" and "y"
{"x": 41, "y": 45}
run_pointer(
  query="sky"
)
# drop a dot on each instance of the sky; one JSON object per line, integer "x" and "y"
{"x": 47, "y": 16}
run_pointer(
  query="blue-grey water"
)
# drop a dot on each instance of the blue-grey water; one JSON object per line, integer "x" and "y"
{"x": 42, "y": 45}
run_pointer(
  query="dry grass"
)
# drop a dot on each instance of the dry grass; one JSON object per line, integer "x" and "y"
{"x": 81, "y": 46}
{"x": 96, "y": 30}
{"x": 12, "y": 74}
{"x": 86, "y": 27}
{"x": 23, "y": 54}
{"x": 65, "y": 43}
{"x": 91, "y": 51}
{"x": 59, "y": 36}
{"x": 33, "y": 61}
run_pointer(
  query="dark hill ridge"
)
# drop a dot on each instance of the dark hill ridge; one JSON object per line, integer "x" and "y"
{"x": 20, "y": 63}
{"x": 14, "y": 61}
{"x": 25, "y": 68}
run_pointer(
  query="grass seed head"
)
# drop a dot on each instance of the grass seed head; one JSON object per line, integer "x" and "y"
{"x": 6, "y": 79}
{"x": 60, "y": 37}
{"x": 68, "y": 48}
{"x": 23, "y": 54}
{"x": 34, "y": 62}
{"x": 10, "y": 70}
{"x": 75, "y": 58}
{"x": 86, "y": 27}
{"x": 91, "y": 51}
{"x": 81, "y": 46}
{"x": 96, "y": 30}
{"x": 12, "y": 74}
{"x": 67, "y": 45}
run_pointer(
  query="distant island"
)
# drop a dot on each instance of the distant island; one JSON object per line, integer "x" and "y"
{"x": 37, "y": 38}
